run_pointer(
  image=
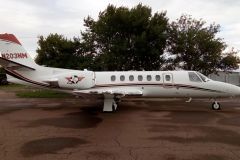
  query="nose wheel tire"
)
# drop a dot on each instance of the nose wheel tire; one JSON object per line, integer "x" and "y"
{"x": 216, "y": 106}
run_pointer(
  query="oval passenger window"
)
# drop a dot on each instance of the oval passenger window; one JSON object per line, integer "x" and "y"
{"x": 122, "y": 78}
{"x": 113, "y": 78}
{"x": 167, "y": 77}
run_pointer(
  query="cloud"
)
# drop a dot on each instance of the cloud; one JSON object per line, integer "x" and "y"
{"x": 28, "y": 18}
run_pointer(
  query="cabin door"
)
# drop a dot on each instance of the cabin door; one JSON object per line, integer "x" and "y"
{"x": 167, "y": 80}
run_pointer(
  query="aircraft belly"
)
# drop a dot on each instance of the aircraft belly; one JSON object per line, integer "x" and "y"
{"x": 198, "y": 93}
{"x": 158, "y": 92}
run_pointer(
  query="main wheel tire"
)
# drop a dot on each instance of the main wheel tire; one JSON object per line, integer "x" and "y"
{"x": 117, "y": 100}
{"x": 216, "y": 106}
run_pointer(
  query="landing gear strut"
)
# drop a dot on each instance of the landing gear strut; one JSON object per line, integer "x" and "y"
{"x": 110, "y": 103}
{"x": 216, "y": 106}
{"x": 108, "y": 106}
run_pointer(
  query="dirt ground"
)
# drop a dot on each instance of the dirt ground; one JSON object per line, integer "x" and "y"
{"x": 165, "y": 129}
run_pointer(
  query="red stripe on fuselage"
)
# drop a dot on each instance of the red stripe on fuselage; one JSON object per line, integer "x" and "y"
{"x": 26, "y": 79}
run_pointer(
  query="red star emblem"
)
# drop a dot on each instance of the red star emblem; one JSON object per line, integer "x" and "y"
{"x": 74, "y": 79}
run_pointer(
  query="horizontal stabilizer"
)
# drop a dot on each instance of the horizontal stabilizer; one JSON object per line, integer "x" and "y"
{"x": 6, "y": 63}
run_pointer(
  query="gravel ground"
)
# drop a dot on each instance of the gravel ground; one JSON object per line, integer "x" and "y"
{"x": 139, "y": 129}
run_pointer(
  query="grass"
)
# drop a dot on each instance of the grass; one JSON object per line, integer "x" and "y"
{"x": 43, "y": 94}
{"x": 30, "y": 92}
{"x": 12, "y": 86}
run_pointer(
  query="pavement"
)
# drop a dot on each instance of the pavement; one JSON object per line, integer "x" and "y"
{"x": 165, "y": 129}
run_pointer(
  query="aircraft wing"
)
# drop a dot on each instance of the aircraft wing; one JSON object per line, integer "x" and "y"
{"x": 100, "y": 94}
{"x": 13, "y": 65}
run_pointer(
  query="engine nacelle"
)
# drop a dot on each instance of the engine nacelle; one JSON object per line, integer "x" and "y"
{"x": 77, "y": 80}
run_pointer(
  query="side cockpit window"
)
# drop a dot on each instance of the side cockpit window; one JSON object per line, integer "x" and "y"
{"x": 193, "y": 77}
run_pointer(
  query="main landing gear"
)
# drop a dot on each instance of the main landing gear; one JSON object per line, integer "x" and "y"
{"x": 110, "y": 103}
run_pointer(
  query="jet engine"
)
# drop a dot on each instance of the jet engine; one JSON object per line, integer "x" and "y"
{"x": 73, "y": 80}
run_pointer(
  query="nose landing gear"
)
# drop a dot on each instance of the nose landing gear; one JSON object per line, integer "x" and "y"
{"x": 216, "y": 106}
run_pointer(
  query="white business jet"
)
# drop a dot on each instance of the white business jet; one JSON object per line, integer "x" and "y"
{"x": 111, "y": 86}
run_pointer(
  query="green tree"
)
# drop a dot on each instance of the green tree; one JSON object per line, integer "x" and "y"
{"x": 127, "y": 39}
{"x": 193, "y": 46}
{"x": 229, "y": 60}
{"x": 58, "y": 51}
{"x": 89, "y": 48}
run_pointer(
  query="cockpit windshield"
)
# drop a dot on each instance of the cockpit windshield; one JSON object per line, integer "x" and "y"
{"x": 204, "y": 78}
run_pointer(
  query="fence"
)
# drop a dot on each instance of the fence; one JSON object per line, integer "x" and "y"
{"x": 232, "y": 78}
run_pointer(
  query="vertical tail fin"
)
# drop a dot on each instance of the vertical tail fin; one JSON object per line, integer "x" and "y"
{"x": 12, "y": 53}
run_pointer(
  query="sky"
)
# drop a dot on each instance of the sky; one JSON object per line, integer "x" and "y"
{"x": 27, "y": 19}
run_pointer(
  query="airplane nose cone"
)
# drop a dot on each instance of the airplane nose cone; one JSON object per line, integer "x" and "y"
{"x": 235, "y": 90}
{"x": 238, "y": 91}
